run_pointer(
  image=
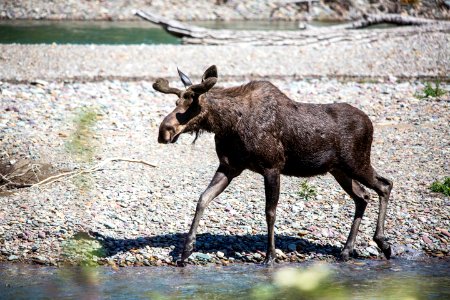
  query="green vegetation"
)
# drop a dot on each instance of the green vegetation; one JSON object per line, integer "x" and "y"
{"x": 83, "y": 250}
{"x": 430, "y": 91}
{"x": 307, "y": 191}
{"x": 441, "y": 187}
{"x": 81, "y": 142}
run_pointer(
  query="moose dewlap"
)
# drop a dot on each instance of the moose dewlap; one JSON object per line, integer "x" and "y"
{"x": 259, "y": 128}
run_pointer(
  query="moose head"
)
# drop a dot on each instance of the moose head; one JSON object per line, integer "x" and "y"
{"x": 188, "y": 104}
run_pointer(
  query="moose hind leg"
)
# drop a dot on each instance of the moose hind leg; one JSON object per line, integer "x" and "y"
{"x": 360, "y": 197}
{"x": 383, "y": 188}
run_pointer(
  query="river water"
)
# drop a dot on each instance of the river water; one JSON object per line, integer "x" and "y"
{"x": 104, "y": 32}
{"x": 360, "y": 279}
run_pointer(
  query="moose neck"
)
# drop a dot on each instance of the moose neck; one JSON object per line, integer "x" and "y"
{"x": 220, "y": 112}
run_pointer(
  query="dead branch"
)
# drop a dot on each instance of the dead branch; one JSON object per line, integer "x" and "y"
{"x": 98, "y": 167}
{"x": 11, "y": 183}
{"x": 396, "y": 19}
{"x": 311, "y": 35}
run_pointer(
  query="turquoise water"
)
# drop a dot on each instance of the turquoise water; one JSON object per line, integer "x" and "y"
{"x": 362, "y": 279}
{"x": 104, "y": 32}
{"x": 71, "y": 32}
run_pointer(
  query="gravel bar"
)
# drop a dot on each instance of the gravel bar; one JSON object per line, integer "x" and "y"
{"x": 423, "y": 55}
{"x": 129, "y": 214}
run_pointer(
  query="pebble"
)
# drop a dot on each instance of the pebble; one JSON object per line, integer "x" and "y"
{"x": 200, "y": 256}
{"x": 372, "y": 251}
{"x": 280, "y": 254}
{"x": 40, "y": 260}
{"x": 257, "y": 256}
{"x": 13, "y": 257}
{"x": 427, "y": 240}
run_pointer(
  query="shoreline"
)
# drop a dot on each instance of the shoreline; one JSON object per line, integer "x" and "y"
{"x": 420, "y": 256}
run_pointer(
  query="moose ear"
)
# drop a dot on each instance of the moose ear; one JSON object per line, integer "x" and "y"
{"x": 205, "y": 86}
{"x": 184, "y": 78}
{"x": 210, "y": 72}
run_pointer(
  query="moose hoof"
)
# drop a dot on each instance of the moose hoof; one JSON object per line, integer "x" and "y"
{"x": 268, "y": 261}
{"x": 384, "y": 246}
{"x": 181, "y": 263}
{"x": 387, "y": 251}
{"x": 345, "y": 255}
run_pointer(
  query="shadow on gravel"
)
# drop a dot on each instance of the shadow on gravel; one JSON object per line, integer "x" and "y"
{"x": 211, "y": 243}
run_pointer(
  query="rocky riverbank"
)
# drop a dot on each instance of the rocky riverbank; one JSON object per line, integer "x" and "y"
{"x": 132, "y": 214}
{"x": 69, "y": 107}
{"x": 422, "y": 56}
{"x": 219, "y": 9}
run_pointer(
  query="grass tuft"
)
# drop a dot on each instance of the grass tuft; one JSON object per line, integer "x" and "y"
{"x": 81, "y": 142}
{"x": 307, "y": 191}
{"x": 441, "y": 187}
{"x": 430, "y": 91}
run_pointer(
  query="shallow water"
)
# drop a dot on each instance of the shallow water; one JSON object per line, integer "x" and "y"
{"x": 361, "y": 279}
{"x": 79, "y": 32}
{"x": 104, "y": 32}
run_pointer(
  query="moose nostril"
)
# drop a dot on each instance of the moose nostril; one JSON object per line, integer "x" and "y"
{"x": 165, "y": 134}
{"x": 163, "y": 137}
{"x": 170, "y": 129}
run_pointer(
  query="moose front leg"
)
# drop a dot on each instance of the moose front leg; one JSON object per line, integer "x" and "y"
{"x": 272, "y": 188}
{"x": 220, "y": 181}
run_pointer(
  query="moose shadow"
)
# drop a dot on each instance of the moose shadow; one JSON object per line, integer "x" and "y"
{"x": 211, "y": 243}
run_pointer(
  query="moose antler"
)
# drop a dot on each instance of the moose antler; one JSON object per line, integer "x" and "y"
{"x": 162, "y": 85}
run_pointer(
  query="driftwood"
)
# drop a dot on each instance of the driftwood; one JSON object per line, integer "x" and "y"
{"x": 311, "y": 35}
{"x": 98, "y": 167}
{"x": 14, "y": 178}
{"x": 369, "y": 20}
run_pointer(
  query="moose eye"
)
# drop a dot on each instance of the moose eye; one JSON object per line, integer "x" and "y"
{"x": 186, "y": 97}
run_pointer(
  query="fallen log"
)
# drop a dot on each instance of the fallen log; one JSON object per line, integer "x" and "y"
{"x": 396, "y": 19}
{"x": 311, "y": 35}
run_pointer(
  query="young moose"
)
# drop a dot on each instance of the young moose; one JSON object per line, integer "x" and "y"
{"x": 259, "y": 128}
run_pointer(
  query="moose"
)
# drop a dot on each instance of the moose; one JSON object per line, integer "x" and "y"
{"x": 259, "y": 128}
